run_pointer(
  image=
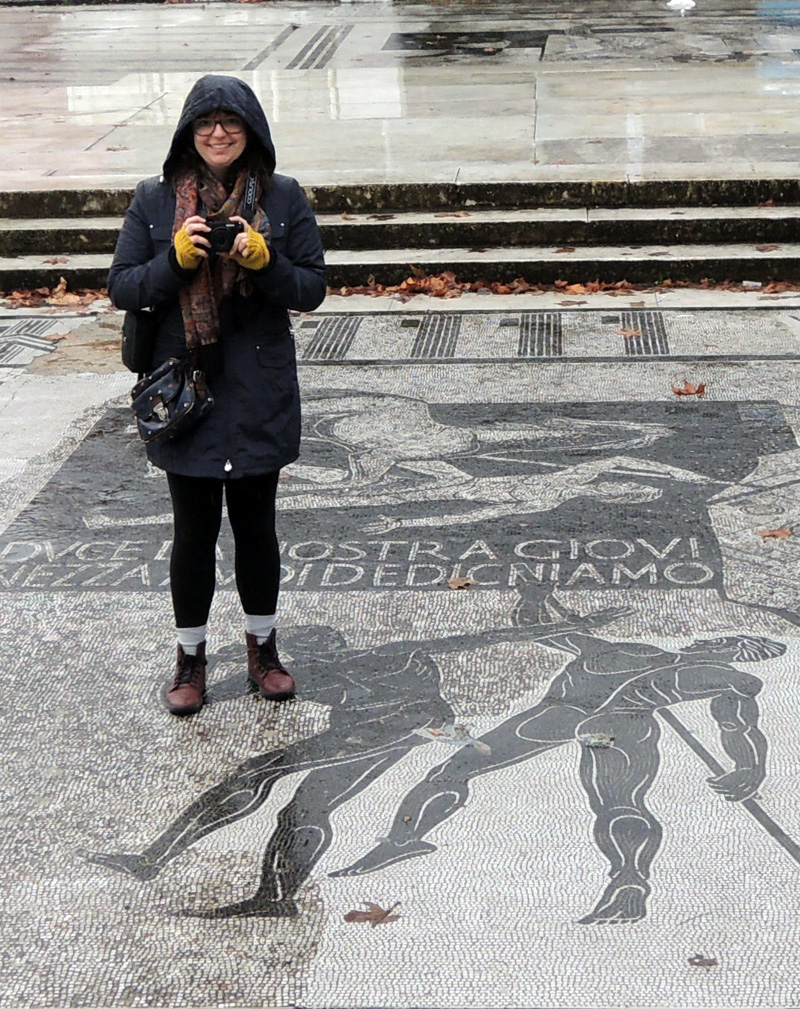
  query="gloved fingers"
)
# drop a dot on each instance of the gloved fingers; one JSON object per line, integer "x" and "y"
{"x": 188, "y": 251}
{"x": 239, "y": 247}
{"x": 196, "y": 228}
{"x": 250, "y": 248}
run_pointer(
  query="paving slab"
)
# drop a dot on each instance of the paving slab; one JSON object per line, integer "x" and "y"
{"x": 573, "y": 783}
{"x": 446, "y": 91}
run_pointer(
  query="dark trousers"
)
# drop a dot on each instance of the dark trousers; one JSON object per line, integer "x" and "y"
{"x": 197, "y": 509}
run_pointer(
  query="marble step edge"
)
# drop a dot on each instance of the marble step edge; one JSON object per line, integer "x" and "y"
{"x": 589, "y": 253}
{"x": 520, "y": 228}
{"x": 672, "y": 253}
{"x": 534, "y": 214}
{"x": 345, "y": 269}
{"x": 379, "y": 197}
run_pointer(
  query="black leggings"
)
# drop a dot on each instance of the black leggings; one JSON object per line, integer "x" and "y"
{"x": 197, "y": 509}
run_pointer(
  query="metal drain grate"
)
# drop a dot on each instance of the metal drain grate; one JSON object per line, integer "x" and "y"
{"x": 437, "y": 337}
{"x": 540, "y": 335}
{"x": 333, "y": 339}
{"x": 317, "y": 53}
{"x": 653, "y": 339}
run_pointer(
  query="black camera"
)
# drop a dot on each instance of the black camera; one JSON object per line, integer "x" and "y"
{"x": 222, "y": 234}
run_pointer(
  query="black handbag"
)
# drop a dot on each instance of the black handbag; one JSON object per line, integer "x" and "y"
{"x": 170, "y": 401}
{"x": 139, "y": 331}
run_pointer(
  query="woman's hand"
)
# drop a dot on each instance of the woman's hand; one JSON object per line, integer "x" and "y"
{"x": 250, "y": 248}
{"x": 191, "y": 244}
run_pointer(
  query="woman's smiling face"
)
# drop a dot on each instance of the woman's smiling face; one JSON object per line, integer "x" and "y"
{"x": 219, "y": 138}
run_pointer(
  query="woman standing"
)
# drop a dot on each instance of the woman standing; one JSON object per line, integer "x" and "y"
{"x": 230, "y": 312}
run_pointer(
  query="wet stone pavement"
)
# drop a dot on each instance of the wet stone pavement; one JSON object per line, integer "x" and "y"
{"x": 573, "y": 783}
{"x": 443, "y": 91}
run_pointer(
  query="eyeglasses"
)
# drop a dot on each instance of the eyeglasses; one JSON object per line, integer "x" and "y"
{"x": 206, "y": 125}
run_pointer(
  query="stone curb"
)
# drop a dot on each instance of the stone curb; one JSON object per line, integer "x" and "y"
{"x": 108, "y": 202}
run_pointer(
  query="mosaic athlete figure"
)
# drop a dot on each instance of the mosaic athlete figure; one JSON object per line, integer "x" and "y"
{"x": 609, "y": 691}
{"x": 382, "y": 702}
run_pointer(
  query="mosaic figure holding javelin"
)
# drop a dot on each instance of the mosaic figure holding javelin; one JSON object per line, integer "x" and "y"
{"x": 384, "y": 702}
{"x": 606, "y": 697}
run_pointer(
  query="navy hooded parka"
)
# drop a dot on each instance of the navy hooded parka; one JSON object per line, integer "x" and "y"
{"x": 254, "y": 427}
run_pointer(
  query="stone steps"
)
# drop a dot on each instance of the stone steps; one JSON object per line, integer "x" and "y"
{"x": 554, "y": 227}
{"x": 495, "y": 232}
{"x": 352, "y": 267}
{"x": 402, "y": 197}
{"x": 467, "y": 228}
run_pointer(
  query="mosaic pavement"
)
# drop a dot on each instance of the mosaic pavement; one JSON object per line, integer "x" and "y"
{"x": 572, "y": 784}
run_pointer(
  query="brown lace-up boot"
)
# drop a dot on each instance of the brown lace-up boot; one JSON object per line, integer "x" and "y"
{"x": 187, "y": 693}
{"x": 266, "y": 671}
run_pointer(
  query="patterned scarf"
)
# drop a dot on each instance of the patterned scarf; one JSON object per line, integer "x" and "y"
{"x": 218, "y": 276}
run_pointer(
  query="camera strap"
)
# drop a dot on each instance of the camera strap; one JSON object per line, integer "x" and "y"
{"x": 251, "y": 188}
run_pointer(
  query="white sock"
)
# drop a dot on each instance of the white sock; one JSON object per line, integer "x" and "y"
{"x": 190, "y": 637}
{"x": 260, "y": 625}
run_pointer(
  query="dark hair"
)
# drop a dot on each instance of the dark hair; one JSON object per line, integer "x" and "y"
{"x": 188, "y": 162}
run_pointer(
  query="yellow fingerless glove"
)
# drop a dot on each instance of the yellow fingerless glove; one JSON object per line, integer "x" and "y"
{"x": 186, "y": 252}
{"x": 257, "y": 252}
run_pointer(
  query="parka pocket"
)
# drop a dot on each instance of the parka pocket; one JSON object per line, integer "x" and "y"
{"x": 277, "y": 235}
{"x": 276, "y": 355}
{"x": 161, "y": 235}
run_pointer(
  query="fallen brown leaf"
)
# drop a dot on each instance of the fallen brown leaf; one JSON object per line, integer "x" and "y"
{"x": 348, "y": 217}
{"x": 565, "y": 249}
{"x": 375, "y": 916}
{"x": 461, "y": 583}
{"x": 687, "y": 389}
{"x": 767, "y": 248}
{"x": 381, "y": 217}
{"x": 117, "y": 148}
{"x": 56, "y": 260}
{"x": 573, "y": 302}
{"x": 637, "y": 304}
{"x": 775, "y": 534}
{"x": 454, "y": 213}
{"x": 631, "y": 334}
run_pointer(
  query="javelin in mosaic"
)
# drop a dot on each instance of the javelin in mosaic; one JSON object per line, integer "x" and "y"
{"x": 381, "y": 432}
{"x": 606, "y": 697}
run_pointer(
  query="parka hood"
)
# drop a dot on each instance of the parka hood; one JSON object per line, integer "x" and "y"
{"x": 214, "y": 92}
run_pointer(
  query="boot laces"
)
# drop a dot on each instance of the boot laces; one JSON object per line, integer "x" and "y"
{"x": 188, "y": 671}
{"x": 268, "y": 657}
